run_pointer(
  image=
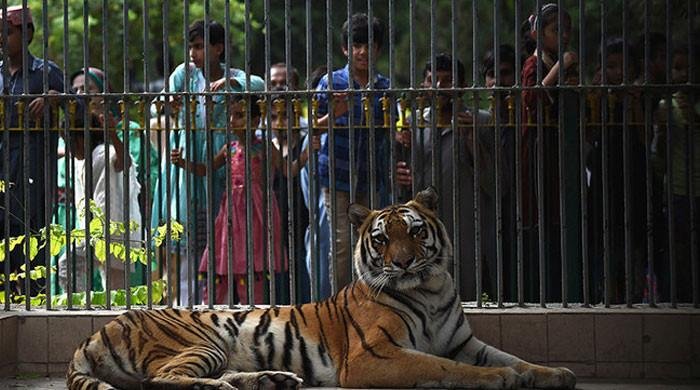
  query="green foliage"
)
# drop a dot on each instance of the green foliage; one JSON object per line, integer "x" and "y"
{"x": 474, "y": 32}
{"x": 56, "y": 237}
{"x": 126, "y": 44}
{"x": 139, "y": 296}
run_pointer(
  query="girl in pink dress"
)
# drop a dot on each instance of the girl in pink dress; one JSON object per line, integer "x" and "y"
{"x": 238, "y": 227}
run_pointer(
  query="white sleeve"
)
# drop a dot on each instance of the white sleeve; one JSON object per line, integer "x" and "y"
{"x": 99, "y": 177}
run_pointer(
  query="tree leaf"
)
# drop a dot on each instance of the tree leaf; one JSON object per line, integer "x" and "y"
{"x": 100, "y": 249}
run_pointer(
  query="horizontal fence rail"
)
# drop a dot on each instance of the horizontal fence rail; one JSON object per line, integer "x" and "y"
{"x": 176, "y": 157}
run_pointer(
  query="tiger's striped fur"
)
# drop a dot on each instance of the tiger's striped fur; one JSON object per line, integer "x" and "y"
{"x": 399, "y": 325}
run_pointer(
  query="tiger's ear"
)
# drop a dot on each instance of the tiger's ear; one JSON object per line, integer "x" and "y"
{"x": 357, "y": 214}
{"x": 428, "y": 198}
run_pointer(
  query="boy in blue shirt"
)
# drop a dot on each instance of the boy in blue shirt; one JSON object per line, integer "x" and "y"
{"x": 359, "y": 68}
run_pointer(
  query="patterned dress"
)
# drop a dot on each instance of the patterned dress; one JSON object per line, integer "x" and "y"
{"x": 238, "y": 228}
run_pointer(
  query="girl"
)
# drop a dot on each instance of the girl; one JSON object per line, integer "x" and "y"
{"x": 545, "y": 53}
{"x": 238, "y": 196}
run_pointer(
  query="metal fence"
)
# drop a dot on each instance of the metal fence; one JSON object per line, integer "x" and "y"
{"x": 566, "y": 185}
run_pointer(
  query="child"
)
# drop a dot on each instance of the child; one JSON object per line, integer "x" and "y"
{"x": 238, "y": 197}
{"x": 444, "y": 111}
{"x": 201, "y": 54}
{"x": 546, "y": 54}
{"x": 357, "y": 27}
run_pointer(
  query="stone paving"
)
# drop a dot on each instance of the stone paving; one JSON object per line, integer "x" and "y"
{"x": 56, "y": 383}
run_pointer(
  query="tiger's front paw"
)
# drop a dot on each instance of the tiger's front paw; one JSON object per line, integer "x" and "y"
{"x": 566, "y": 378}
{"x": 547, "y": 377}
{"x": 500, "y": 378}
{"x": 263, "y": 380}
{"x": 278, "y": 380}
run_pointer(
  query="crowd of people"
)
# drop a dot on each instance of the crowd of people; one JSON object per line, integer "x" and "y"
{"x": 524, "y": 176}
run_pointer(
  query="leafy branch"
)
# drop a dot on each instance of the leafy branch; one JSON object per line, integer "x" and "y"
{"x": 57, "y": 238}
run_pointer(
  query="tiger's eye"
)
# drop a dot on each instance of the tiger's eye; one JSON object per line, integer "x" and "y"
{"x": 415, "y": 231}
{"x": 378, "y": 240}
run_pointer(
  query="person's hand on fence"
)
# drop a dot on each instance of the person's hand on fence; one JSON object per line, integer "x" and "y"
{"x": 36, "y": 106}
{"x": 340, "y": 103}
{"x": 176, "y": 158}
{"x": 403, "y": 174}
{"x": 316, "y": 142}
{"x": 570, "y": 58}
{"x": 175, "y": 104}
{"x": 465, "y": 118}
{"x": 403, "y": 138}
{"x": 221, "y": 83}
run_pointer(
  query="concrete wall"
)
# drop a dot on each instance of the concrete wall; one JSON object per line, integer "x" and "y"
{"x": 603, "y": 343}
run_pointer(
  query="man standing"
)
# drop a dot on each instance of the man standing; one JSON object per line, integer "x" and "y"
{"x": 33, "y": 173}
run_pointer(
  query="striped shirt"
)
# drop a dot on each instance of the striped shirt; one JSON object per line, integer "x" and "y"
{"x": 341, "y": 137}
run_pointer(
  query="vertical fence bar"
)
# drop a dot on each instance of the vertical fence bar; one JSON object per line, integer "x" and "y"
{"x": 126, "y": 131}
{"x": 70, "y": 176}
{"x": 412, "y": 77}
{"x": 351, "y": 129}
{"x": 64, "y": 103}
{"x": 371, "y": 130}
{"x": 171, "y": 283}
{"x": 209, "y": 155}
{"x": 331, "y": 147}
{"x": 561, "y": 154}
{"x": 434, "y": 110}
{"x": 582, "y": 154}
{"x": 497, "y": 149}
{"x": 26, "y": 159}
{"x": 626, "y": 159}
{"x": 292, "y": 134}
{"x": 541, "y": 226}
{"x": 268, "y": 167}
{"x": 248, "y": 172}
{"x": 6, "y": 157}
{"x": 313, "y": 187}
{"x": 48, "y": 191}
{"x": 475, "y": 147}
{"x": 230, "y": 242}
{"x": 148, "y": 199}
{"x": 88, "y": 173}
{"x": 393, "y": 189}
{"x": 607, "y": 277}
{"x": 667, "y": 93}
{"x": 517, "y": 158}
{"x": 457, "y": 152}
{"x": 692, "y": 126}
{"x": 108, "y": 193}
{"x": 648, "y": 136}
{"x": 267, "y": 150}
{"x": 188, "y": 100}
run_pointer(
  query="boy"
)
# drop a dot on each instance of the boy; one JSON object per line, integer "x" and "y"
{"x": 356, "y": 28}
{"x": 443, "y": 79}
{"x": 37, "y": 178}
{"x": 214, "y": 108}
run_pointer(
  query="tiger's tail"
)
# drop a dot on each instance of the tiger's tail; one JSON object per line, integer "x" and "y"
{"x": 80, "y": 375}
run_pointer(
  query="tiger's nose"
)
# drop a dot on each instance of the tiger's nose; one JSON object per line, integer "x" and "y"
{"x": 403, "y": 261}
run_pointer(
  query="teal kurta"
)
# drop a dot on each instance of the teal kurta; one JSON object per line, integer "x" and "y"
{"x": 177, "y": 177}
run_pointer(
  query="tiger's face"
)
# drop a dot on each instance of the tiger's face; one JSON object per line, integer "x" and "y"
{"x": 402, "y": 245}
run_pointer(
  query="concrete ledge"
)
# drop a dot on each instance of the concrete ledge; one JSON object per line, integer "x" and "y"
{"x": 619, "y": 343}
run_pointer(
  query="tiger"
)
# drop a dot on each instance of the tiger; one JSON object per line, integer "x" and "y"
{"x": 400, "y": 324}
